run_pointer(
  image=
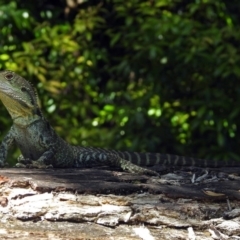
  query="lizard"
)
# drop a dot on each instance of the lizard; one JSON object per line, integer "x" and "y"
{"x": 41, "y": 147}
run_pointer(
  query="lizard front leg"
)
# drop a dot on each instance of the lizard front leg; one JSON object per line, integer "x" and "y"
{"x": 7, "y": 142}
{"x": 44, "y": 161}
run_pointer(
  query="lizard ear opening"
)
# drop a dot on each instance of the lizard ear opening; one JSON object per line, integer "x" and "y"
{"x": 23, "y": 89}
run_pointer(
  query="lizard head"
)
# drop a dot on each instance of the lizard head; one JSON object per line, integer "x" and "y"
{"x": 18, "y": 96}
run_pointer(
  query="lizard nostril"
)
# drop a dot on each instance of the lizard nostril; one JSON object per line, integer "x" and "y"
{"x": 23, "y": 89}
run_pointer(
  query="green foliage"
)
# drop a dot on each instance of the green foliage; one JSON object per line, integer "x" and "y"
{"x": 157, "y": 76}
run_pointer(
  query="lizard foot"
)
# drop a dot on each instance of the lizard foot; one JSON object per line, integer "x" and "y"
{"x": 20, "y": 165}
{"x": 27, "y": 163}
{"x": 39, "y": 164}
{"x": 130, "y": 167}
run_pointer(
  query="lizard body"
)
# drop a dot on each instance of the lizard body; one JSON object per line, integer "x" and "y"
{"x": 40, "y": 145}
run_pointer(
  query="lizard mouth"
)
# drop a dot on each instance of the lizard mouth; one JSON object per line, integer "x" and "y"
{"x": 12, "y": 95}
{"x": 6, "y": 90}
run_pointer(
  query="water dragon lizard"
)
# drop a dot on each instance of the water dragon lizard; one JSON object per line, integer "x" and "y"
{"x": 41, "y": 146}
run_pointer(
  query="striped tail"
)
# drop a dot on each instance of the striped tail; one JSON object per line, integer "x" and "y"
{"x": 148, "y": 159}
{"x": 91, "y": 155}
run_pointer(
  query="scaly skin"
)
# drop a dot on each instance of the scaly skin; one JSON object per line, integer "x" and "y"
{"x": 41, "y": 146}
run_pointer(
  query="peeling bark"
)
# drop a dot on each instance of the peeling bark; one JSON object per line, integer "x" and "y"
{"x": 103, "y": 204}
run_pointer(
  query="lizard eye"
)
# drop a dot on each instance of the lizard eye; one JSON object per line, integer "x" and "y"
{"x": 9, "y": 76}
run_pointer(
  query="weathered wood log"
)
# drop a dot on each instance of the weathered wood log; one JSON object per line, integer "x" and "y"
{"x": 103, "y": 204}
